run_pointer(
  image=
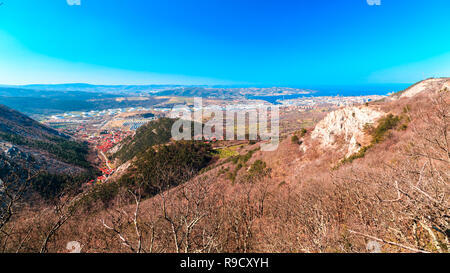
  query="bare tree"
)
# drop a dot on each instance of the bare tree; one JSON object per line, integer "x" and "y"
{"x": 413, "y": 190}
{"x": 63, "y": 210}
{"x": 12, "y": 191}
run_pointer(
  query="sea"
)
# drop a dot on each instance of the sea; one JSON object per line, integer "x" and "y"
{"x": 344, "y": 91}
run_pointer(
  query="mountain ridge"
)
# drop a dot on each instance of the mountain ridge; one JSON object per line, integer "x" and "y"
{"x": 36, "y": 147}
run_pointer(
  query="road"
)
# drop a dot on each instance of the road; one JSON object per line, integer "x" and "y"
{"x": 106, "y": 160}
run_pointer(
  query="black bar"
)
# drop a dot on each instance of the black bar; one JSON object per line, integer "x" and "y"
{"x": 229, "y": 262}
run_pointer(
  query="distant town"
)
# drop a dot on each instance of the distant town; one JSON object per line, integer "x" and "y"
{"x": 104, "y": 129}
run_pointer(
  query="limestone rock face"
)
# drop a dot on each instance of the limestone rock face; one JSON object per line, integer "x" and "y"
{"x": 346, "y": 124}
{"x": 426, "y": 85}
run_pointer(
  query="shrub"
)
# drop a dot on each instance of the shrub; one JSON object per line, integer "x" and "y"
{"x": 303, "y": 132}
{"x": 378, "y": 135}
{"x": 257, "y": 170}
{"x": 50, "y": 186}
{"x": 227, "y": 152}
{"x": 243, "y": 158}
{"x": 223, "y": 170}
{"x": 360, "y": 154}
{"x": 406, "y": 109}
{"x": 240, "y": 161}
{"x": 384, "y": 125}
{"x": 104, "y": 193}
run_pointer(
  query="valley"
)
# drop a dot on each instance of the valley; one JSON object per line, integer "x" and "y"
{"x": 104, "y": 130}
{"x": 116, "y": 171}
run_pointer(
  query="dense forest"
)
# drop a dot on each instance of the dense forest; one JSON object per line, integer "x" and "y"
{"x": 158, "y": 169}
{"x": 168, "y": 166}
{"x": 153, "y": 133}
{"x": 68, "y": 151}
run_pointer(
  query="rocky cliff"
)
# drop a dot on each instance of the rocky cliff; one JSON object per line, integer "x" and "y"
{"x": 347, "y": 126}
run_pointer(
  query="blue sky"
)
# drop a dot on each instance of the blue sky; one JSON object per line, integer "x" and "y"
{"x": 285, "y": 43}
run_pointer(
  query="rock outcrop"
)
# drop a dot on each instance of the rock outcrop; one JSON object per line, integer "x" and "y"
{"x": 347, "y": 125}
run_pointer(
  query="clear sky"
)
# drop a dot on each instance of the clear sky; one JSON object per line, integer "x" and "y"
{"x": 270, "y": 42}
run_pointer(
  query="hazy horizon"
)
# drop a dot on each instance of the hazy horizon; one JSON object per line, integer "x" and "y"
{"x": 299, "y": 86}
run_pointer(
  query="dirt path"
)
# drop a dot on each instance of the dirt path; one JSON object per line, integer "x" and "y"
{"x": 106, "y": 160}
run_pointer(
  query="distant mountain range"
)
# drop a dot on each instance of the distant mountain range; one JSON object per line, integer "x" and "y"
{"x": 59, "y": 98}
{"x": 45, "y": 99}
{"x": 108, "y": 89}
{"x": 44, "y": 102}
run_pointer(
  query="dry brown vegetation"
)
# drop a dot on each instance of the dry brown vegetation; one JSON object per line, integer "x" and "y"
{"x": 397, "y": 196}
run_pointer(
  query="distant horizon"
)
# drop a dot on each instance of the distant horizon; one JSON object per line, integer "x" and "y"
{"x": 297, "y": 86}
{"x": 314, "y": 90}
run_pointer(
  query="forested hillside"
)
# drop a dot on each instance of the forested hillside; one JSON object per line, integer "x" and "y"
{"x": 153, "y": 133}
{"x": 29, "y": 149}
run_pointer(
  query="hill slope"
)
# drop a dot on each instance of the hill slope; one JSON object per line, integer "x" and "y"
{"x": 34, "y": 146}
{"x": 307, "y": 196}
{"x": 428, "y": 85}
{"x": 153, "y": 133}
